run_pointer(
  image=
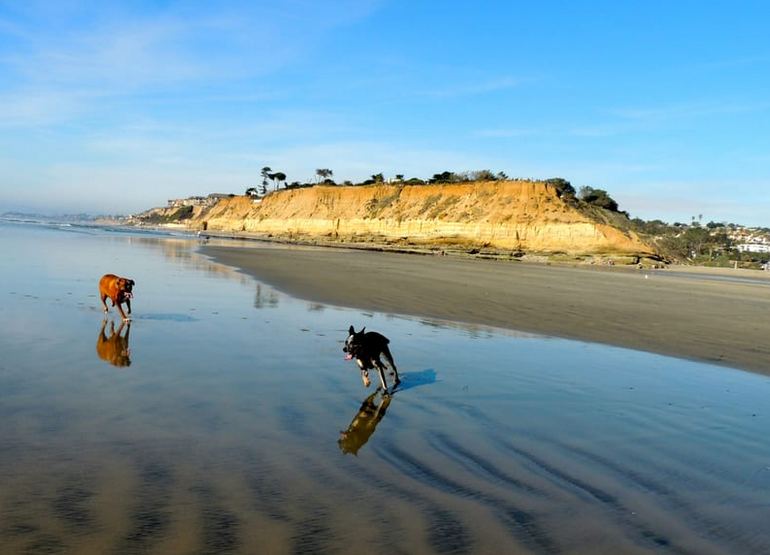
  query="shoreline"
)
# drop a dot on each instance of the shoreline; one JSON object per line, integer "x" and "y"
{"x": 707, "y": 316}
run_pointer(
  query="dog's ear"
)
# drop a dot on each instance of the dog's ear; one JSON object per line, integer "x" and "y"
{"x": 362, "y": 330}
{"x": 351, "y": 331}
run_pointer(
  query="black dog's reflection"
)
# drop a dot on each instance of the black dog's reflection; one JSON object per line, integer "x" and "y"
{"x": 364, "y": 423}
{"x": 114, "y": 348}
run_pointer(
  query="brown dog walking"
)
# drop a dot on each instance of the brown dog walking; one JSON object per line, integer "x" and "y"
{"x": 118, "y": 290}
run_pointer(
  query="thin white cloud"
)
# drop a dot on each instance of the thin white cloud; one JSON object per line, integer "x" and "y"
{"x": 41, "y": 106}
{"x": 506, "y": 133}
{"x": 472, "y": 87}
{"x": 597, "y": 130}
{"x": 689, "y": 110}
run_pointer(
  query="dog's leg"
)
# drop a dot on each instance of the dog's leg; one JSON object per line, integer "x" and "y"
{"x": 364, "y": 372}
{"x": 106, "y": 308}
{"x": 381, "y": 370}
{"x": 120, "y": 309}
{"x": 128, "y": 304}
{"x": 389, "y": 358}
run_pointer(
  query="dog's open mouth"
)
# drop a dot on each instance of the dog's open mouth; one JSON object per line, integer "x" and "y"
{"x": 348, "y": 356}
{"x": 128, "y": 294}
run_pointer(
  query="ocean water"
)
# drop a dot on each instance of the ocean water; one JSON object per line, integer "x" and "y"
{"x": 213, "y": 424}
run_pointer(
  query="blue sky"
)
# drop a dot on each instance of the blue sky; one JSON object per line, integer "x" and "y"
{"x": 118, "y": 106}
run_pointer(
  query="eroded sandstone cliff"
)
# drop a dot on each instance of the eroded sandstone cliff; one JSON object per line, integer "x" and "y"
{"x": 516, "y": 216}
{"x": 526, "y": 216}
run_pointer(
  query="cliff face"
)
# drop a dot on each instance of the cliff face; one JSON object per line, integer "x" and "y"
{"x": 507, "y": 215}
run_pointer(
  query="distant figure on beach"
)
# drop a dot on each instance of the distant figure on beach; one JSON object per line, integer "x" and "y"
{"x": 364, "y": 423}
{"x": 114, "y": 348}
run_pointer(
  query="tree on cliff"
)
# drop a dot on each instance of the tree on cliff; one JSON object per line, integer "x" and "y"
{"x": 482, "y": 175}
{"x": 265, "y": 176}
{"x": 277, "y": 178}
{"x": 597, "y": 197}
{"x": 564, "y": 188}
{"x": 443, "y": 177}
{"x": 323, "y": 173}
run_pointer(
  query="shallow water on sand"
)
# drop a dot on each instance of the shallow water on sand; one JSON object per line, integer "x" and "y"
{"x": 219, "y": 430}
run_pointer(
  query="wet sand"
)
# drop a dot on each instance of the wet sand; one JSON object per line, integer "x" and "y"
{"x": 238, "y": 427}
{"x": 717, "y": 317}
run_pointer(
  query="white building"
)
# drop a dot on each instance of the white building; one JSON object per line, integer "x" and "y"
{"x": 753, "y": 247}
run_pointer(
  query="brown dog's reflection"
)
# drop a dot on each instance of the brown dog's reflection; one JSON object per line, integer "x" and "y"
{"x": 364, "y": 423}
{"x": 114, "y": 349}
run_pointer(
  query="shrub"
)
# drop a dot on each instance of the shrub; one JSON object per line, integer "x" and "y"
{"x": 414, "y": 181}
{"x": 184, "y": 213}
{"x": 564, "y": 188}
{"x": 598, "y": 197}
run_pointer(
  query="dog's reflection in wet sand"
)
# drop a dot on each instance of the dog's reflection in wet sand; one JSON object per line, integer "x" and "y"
{"x": 364, "y": 423}
{"x": 114, "y": 348}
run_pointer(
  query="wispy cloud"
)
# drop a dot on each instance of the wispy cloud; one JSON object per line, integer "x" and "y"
{"x": 118, "y": 53}
{"x": 472, "y": 87}
{"x": 695, "y": 109}
{"x": 506, "y": 133}
{"x": 38, "y": 107}
{"x": 597, "y": 130}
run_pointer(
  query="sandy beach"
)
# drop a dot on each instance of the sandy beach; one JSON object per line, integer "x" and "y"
{"x": 721, "y": 317}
